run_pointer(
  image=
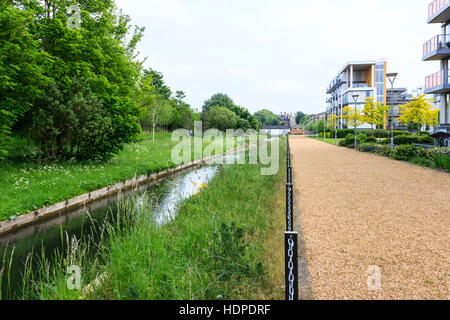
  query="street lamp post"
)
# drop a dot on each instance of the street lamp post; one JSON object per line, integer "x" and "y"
{"x": 355, "y": 97}
{"x": 335, "y": 126}
{"x": 391, "y": 77}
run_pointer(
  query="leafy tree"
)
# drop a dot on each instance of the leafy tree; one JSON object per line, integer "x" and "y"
{"x": 348, "y": 114}
{"x": 72, "y": 121}
{"x": 101, "y": 55}
{"x": 301, "y": 118}
{"x": 157, "y": 80}
{"x": 221, "y": 118}
{"x": 182, "y": 116}
{"x": 373, "y": 113}
{"x": 21, "y": 67}
{"x": 419, "y": 112}
{"x": 332, "y": 121}
{"x": 218, "y": 100}
{"x": 245, "y": 121}
{"x": 267, "y": 117}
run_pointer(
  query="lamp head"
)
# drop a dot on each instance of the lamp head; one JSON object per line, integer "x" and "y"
{"x": 392, "y": 76}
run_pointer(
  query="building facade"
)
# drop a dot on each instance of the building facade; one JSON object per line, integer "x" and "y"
{"x": 318, "y": 116}
{"x": 438, "y": 49}
{"x": 365, "y": 79}
{"x": 287, "y": 119}
{"x": 396, "y": 98}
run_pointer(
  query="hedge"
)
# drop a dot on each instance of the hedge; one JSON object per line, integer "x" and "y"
{"x": 342, "y": 133}
{"x": 414, "y": 139}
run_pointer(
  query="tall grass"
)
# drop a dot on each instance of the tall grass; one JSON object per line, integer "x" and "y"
{"x": 225, "y": 243}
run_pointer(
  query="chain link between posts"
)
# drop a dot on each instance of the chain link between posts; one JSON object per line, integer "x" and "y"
{"x": 291, "y": 267}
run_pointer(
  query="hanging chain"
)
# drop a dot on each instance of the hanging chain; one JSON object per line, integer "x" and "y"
{"x": 291, "y": 267}
{"x": 289, "y": 210}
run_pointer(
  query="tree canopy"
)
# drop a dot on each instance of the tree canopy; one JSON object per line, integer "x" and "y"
{"x": 373, "y": 112}
{"x": 420, "y": 112}
{"x": 78, "y": 91}
{"x": 301, "y": 118}
{"x": 267, "y": 117}
{"x": 244, "y": 119}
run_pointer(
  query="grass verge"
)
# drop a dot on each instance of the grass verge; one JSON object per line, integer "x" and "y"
{"x": 327, "y": 140}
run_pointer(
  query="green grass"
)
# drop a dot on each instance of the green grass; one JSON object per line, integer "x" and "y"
{"x": 225, "y": 243}
{"x": 327, "y": 140}
{"x": 27, "y": 186}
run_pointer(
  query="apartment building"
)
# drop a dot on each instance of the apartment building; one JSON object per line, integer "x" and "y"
{"x": 287, "y": 119}
{"x": 318, "y": 116}
{"x": 396, "y": 98}
{"x": 438, "y": 49}
{"x": 364, "y": 79}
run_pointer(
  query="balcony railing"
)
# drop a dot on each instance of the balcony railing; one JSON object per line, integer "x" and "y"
{"x": 434, "y": 80}
{"x": 439, "y": 42}
{"x": 435, "y": 7}
{"x": 360, "y": 85}
{"x": 437, "y": 82}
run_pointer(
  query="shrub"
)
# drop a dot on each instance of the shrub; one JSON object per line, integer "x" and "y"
{"x": 371, "y": 139}
{"x": 342, "y": 143}
{"x": 423, "y": 162}
{"x": 349, "y": 140}
{"x": 342, "y": 133}
{"x": 409, "y": 139}
{"x": 362, "y": 138}
{"x": 442, "y": 161}
{"x": 384, "y": 151}
{"x": 405, "y": 152}
{"x": 368, "y": 147}
{"x": 423, "y": 133}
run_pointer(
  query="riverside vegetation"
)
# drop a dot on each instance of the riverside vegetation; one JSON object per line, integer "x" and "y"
{"x": 223, "y": 244}
{"x": 28, "y": 185}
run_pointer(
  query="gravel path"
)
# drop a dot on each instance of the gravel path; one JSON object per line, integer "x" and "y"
{"x": 360, "y": 210}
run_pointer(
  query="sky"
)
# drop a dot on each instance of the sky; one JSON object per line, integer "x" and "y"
{"x": 278, "y": 54}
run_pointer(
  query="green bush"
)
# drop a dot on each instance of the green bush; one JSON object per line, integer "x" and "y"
{"x": 349, "y": 140}
{"x": 362, "y": 138}
{"x": 442, "y": 161}
{"x": 371, "y": 139}
{"x": 409, "y": 139}
{"x": 385, "y": 151}
{"x": 368, "y": 147}
{"x": 342, "y": 133}
{"x": 423, "y": 133}
{"x": 423, "y": 162}
{"x": 405, "y": 152}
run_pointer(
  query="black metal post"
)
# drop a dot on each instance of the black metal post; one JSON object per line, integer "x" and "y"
{"x": 289, "y": 174}
{"x": 291, "y": 268}
{"x": 289, "y": 207}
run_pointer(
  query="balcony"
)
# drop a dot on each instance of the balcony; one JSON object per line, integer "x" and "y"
{"x": 334, "y": 85}
{"x": 360, "y": 85}
{"x": 437, "y": 11}
{"x": 437, "y": 48}
{"x": 437, "y": 83}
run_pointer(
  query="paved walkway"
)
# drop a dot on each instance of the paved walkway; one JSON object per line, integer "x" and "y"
{"x": 360, "y": 210}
